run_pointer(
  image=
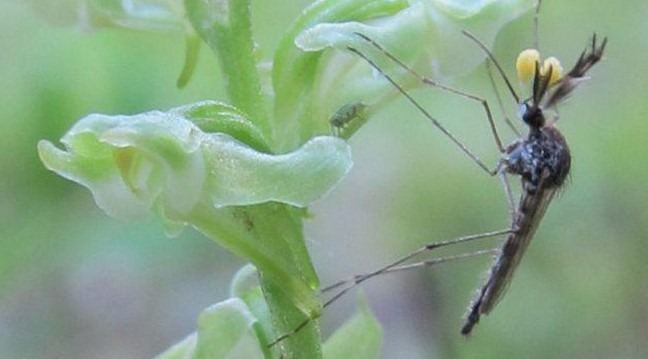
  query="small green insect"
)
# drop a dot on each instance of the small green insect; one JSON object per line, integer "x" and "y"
{"x": 348, "y": 119}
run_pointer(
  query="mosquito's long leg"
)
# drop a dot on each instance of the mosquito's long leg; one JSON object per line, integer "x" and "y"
{"x": 480, "y": 163}
{"x": 412, "y": 266}
{"x": 536, "y": 26}
{"x": 507, "y": 120}
{"x": 436, "y": 123}
{"x": 395, "y": 266}
{"x": 428, "y": 247}
{"x": 497, "y": 65}
{"x": 427, "y": 81}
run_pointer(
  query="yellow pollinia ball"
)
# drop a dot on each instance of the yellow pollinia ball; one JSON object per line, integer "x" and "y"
{"x": 526, "y": 64}
{"x": 556, "y": 69}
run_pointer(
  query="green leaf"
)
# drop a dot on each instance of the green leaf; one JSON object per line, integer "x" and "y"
{"x": 213, "y": 116}
{"x": 240, "y": 327}
{"x": 225, "y": 330}
{"x": 245, "y": 285}
{"x": 359, "y": 338}
{"x": 192, "y": 50}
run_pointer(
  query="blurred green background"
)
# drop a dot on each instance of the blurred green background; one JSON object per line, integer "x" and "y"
{"x": 75, "y": 283}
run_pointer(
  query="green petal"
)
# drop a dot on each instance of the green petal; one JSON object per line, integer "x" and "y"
{"x": 297, "y": 178}
{"x": 225, "y": 330}
{"x": 426, "y": 36}
{"x": 299, "y": 78}
{"x": 163, "y": 162}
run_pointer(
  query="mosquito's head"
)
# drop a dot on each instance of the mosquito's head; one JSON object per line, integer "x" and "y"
{"x": 549, "y": 84}
{"x": 543, "y": 78}
{"x": 531, "y": 115}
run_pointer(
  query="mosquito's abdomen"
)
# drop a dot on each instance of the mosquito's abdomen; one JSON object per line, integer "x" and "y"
{"x": 543, "y": 161}
{"x": 532, "y": 209}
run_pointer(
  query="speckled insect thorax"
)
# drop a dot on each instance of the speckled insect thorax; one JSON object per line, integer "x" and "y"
{"x": 542, "y": 159}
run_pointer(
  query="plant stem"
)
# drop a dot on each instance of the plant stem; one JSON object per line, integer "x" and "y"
{"x": 226, "y": 27}
{"x": 287, "y": 286}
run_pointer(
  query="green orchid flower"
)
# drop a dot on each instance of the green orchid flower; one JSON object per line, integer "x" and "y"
{"x": 244, "y": 171}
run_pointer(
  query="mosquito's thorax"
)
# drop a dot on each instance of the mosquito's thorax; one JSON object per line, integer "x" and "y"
{"x": 542, "y": 159}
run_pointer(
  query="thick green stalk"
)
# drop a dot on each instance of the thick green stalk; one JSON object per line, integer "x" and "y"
{"x": 288, "y": 288}
{"x": 226, "y": 27}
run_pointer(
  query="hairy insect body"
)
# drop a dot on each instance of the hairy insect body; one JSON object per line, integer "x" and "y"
{"x": 543, "y": 162}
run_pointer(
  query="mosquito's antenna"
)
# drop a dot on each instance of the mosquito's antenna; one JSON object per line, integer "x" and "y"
{"x": 536, "y": 26}
{"x": 576, "y": 75}
{"x": 540, "y": 83}
{"x": 499, "y": 68}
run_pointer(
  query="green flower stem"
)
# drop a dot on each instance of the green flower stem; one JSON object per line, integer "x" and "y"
{"x": 226, "y": 28}
{"x": 242, "y": 230}
{"x": 307, "y": 342}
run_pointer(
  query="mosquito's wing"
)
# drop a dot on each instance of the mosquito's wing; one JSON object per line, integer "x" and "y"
{"x": 529, "y": 215}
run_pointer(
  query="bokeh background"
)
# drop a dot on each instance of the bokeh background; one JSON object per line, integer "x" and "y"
{"x": 75, "y": 283}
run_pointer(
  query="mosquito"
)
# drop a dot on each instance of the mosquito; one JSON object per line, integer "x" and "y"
{"x": 542, "y": 160}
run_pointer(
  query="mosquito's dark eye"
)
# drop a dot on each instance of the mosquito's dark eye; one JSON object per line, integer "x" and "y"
{"x": 522, "y": 111}
{"x": 531, "y": 115}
